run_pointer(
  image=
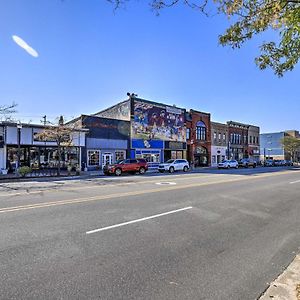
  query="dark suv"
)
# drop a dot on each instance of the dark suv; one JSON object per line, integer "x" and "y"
{"x": 247, "y": 162}
{"x": 126, "y": 166}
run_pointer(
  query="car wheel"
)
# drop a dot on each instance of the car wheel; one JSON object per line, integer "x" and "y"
{"x": 171, "y": 170}
{"x": 237, "y": 166}
{"x": 118, "y": 172}
{"x": 142, "y": 170}
{"x": 254, "y": 166}
{"x": 160, "y": 171}
{"x": 185, "y": 169}
{"x": 228, "y": 167}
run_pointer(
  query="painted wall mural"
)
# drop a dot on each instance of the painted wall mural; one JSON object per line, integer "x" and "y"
{"x": 159, "y": 122}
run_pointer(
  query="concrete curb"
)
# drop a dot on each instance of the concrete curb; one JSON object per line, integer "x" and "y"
{"x": 286, "y": 286}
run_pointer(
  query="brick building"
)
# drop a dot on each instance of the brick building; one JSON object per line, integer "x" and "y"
{"x": 238, "y": 140}
{"x": 219, "y": 143}
{"x": 253, "y": 142}
{"x": 198, "y": 138}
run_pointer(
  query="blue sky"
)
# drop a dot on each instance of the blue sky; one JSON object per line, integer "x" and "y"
{"x": 91, "y": 56}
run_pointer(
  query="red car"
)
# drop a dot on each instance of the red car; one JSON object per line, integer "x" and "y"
{"x": 126, "y": 166}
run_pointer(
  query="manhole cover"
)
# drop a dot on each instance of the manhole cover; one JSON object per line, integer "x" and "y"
{"x": 165, "y": 183}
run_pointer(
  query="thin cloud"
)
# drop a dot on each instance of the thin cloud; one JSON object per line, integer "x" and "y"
{"x": 25, "y": 46}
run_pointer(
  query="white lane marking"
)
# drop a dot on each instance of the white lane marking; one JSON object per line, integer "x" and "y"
{"x": 166, "y": 183}
{"x": 294, "y": 181}
{"x": 139, "y": 220}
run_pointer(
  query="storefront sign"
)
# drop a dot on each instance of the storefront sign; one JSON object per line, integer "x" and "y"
{"x": 173, "y": 110}
{"x": 146, "y": 144}
{"x": 175, "y": 145}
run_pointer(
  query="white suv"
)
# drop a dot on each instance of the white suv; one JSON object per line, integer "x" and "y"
{"x": 227, "y": 164}
{"x": 173, "y": 165}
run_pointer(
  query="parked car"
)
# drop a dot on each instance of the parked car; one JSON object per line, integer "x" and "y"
{"x": 279, "y": 163}
{"x": 227, "y": 164}
{"x": 288, "y": 163}
{"x": 268, "y": 163}
{"x": 247, "y": 162}
{"x": 173, "y": 165}
{"x": 126, "y": 166}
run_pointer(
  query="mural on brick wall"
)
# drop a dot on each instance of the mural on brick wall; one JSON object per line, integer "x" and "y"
{"x": 154, "y": 121}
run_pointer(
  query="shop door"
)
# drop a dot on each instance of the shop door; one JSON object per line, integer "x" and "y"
{"x": 106, "y": 159}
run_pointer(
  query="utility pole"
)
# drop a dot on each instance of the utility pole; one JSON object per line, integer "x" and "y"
{"x": 45, "y": 120}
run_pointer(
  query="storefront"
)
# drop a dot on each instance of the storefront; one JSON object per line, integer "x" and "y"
{"x": 106, "y": 142}
{"x": 98, "y": 157}
{"x": 218, "y": 154}
{"x": 21, "y": 145}
{"x": 150, "y": 150}
{"x": 175, "y": 150}
{"x": 201, "y": 157}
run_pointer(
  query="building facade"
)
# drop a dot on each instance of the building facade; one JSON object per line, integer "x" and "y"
{"x": 272, "y": 148}
{"x": 157, "y": 130}
{"x": 107, "y": 140}
{"x": 254, "y": 142}
{"x": 270, "y": 145}
{"x": 20, "y": 143}
{"x": 238, "y": 140}
{"x": 198, "y": 136}
{"x": 219, "y": 143}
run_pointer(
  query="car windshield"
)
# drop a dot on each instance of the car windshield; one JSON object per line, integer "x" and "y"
{"x": 170, "y": 161}
{"x": 225, "y": 160}
{"x": 119, "y": 161}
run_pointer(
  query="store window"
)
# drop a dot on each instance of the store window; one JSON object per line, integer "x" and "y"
{"x": 150, "y": 157}
{"x": 93, "y": 157}
{"x": 120, "y": 155}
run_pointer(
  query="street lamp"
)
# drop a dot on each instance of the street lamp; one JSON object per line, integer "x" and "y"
{"x": 19, "y": 127}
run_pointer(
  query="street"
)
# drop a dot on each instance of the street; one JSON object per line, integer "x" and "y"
{"x": 214, "y": 234}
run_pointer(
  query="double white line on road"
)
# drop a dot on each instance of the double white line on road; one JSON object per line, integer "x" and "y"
{"x": 138, "y": 220}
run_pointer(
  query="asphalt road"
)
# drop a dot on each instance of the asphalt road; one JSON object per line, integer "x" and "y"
{"x": 209, "y": 235}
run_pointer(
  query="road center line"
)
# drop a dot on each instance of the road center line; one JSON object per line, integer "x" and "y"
{"x": 138, "y": 220}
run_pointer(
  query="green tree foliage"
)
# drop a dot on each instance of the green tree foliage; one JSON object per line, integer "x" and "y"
{"x": 291, "y": 145}
{"x": 249, "y": 18}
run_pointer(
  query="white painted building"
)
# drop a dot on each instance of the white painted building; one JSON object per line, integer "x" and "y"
{"x": 218, "y": 154}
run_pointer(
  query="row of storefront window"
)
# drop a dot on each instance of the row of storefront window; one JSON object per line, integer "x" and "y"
{"x": 42, "y": 157}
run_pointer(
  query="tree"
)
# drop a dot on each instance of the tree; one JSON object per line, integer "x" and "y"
{"x": 252, "y": 17}
{"x": 291, "y": 145}
{"x": 61, "y": 133}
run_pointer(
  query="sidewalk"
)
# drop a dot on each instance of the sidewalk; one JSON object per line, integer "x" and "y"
{"x": 287, "y": 285}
